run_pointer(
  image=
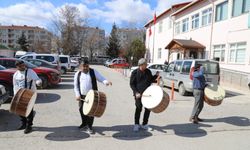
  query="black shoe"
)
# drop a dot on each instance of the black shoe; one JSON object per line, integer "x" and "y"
{"x": 21, "y": 127}
{"x": 194, "y": 120}
{"x": 27, "y": 130}
{"x": 82, "y": 126}
{"x": 199, "y": 119}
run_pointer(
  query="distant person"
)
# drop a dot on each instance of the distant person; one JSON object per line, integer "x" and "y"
{"x": 25, "y": 78}
{"x": 140, "y": 80}
{"x": 85, "y": 80}
{"x": 199, "y": 83}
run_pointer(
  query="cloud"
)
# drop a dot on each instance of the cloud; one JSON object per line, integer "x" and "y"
{"x": 89, "y": 1}
{"x": 35, "y": 13}
{"x": 133, "y": 11}
{"x": 163, "y": 5}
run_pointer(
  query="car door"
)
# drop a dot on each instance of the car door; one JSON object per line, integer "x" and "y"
{"x": 176, "y": 75}
{"x": 167, "y": 74}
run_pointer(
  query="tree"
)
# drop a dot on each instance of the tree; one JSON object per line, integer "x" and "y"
{"x": 113, "y": 45}
{"x": 22, "y": 41}
{"x": 136, "y": 51}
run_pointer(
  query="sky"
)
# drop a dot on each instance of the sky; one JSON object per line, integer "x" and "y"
{"x": 99, "y": 13}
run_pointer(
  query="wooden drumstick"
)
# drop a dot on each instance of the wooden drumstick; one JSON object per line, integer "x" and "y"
{"x": 86, "y": 101}
{"x": 147, "y": 95}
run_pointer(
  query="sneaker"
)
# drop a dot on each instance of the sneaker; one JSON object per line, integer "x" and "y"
{"x": 146, "y": 127}
{"x": 27, "y": 130}
{"x": 136, "y": 128}
{"x": 90, "y": 131}
{"x": 21, "y": 127}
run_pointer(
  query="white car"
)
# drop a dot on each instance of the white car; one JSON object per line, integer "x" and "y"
{"x": 65, "y": 63}
{"x": 152, "y": 67}
{"x": 74, "y": 64}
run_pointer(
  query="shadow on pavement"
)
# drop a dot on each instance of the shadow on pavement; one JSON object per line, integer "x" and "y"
{"x": 47, "y": 97}
{"x": 231, "y": 94}
{"x": 64, "y": 86}
{"x": 124, "y": 132}
{"x": 233, "y": 120}
{"x": 67, "y": 133}
{"x": 185, "y": 130}
{"x": 8, "y": 121}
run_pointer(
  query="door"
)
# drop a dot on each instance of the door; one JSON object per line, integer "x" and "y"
{"x": 167, "y": 74}
{"x": 176, "y": 73}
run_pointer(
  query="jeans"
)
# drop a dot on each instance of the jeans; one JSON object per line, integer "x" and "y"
{"x": 199, "y": 102}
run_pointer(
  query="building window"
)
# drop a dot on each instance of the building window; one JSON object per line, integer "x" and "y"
{"x": 240, "y": 7}
{"x": 177, "y": 28}
{"x": 195, "y": 21}
{"x": 219, "y": 52}
{"x": 221, "y": 11}
{"x": 160, "y": 27}
{"x": 185, "y": 25}
{"x": 159, "y": 53}
{"x": 206, "y": 16}
{"x": 237, "y": 52}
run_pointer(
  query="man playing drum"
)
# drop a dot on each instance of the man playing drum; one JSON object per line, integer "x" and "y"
{"x": 85, "y": 80}
{"x": 25, "y": 78}
{"x": 140, "y": 80}
{"x": 199, "y": 84}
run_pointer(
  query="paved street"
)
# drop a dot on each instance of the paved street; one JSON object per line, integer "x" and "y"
{"x": 55, "y": 125}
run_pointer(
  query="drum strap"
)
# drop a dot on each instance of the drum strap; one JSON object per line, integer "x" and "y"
{"x": 93, "y": 80}
{"x": 25, "y": 80}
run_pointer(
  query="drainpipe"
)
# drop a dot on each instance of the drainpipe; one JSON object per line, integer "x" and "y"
{"x": 212, "y": 28}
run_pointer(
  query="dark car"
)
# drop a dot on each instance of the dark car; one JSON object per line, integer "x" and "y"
{"x": 43, "y": 63}
{"x": 48, "y": 76}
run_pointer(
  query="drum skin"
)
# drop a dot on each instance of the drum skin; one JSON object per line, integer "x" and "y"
{"x": 214, "y": 94}
{"x": 23, "y": 102}
{"x": 95, "y": 103}
{"x": 155, "y": 99}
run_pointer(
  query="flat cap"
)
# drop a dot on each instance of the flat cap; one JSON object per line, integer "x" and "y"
{"x": 19, "y": 62}
{"x": 142, "y": 61}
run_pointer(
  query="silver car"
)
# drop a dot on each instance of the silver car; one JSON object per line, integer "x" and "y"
{"x": 178, "y": 72}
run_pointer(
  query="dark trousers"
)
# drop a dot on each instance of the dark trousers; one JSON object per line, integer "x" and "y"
{"x": 199, "y": 102}
{"x": 28, "y": 121}
{"x": 138, "y": 110}
{"x": 86, "y": 120}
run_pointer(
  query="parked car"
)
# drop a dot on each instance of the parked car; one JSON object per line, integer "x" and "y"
{"x": 152, "y": 67}
{"x": 65, "y": 63}
{"x": 180, "y": 71}
{"x": 3, "y": 95}
{"x": 74, "y": 64}
{"x": 43, "y": 63}
{"x": 107, "y": 62}
{"x": 52, "y": 58}
{"x": 118, "y": 63}
{"x": 48, "y": 76}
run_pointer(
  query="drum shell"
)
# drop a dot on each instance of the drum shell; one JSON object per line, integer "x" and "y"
{"x": 216, "y": 97}
{"x": 99, "y": 105}
{"x": 162, "y": 105}
{"x": 22, "y": 102}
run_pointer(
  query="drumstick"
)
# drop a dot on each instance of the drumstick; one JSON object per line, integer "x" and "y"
{"x": 147, "y": 95}
{"x": 86, "y": 101}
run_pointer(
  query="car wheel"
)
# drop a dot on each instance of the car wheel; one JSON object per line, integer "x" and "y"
{"x": 63, "y": 70}
{"x": 182, "y": 90}
{"x": 44, "y": 82}
{"x": 9, "y": 91}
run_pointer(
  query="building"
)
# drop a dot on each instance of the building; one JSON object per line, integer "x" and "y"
{"x": 93, "y": 41}
{"x": 203, "y": 29}
{"x": 126, "y": 36}
{"x": 39, "y": 39}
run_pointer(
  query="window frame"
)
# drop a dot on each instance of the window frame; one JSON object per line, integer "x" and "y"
{"x": 207, "y": 16}
{"x": 220, "y": 48}
{"x": 235, "y": 50}
{"x": 195, "y": 20}
{"x": 220, "y": 5}
{"x": 185, "y": 25}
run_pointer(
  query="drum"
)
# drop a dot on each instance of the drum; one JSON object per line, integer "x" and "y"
{"x": 94, "y": 103}
{"x": 155, "y": 99}
{"x": 214, "y": 94}
{"x": 23, "y": 102}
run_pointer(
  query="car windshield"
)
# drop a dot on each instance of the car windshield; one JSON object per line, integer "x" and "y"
{"x": 2, "y": 67}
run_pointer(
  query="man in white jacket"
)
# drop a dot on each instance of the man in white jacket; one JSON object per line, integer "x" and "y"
{"x": 25, "y": 78}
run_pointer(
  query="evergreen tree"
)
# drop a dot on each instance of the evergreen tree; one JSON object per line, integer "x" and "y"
{"x": 136, "y": 50}
{"x": 113, "y": 45}
{"x": 22, "y": 41}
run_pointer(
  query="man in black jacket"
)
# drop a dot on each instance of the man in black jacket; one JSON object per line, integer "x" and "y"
{"x": 140, "y": 80}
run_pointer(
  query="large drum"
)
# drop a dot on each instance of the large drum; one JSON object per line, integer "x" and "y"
{"x": 23, "y": 102}
{"x": 94, "y": 103}
{"x": 155, "y": 99}
{"x": 214, "y": 94}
